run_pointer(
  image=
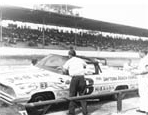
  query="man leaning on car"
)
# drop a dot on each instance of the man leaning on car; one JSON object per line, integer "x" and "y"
{"x": 76, "y": 69}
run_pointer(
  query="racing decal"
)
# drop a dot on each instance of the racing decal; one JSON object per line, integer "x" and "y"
{"x": 89, "y": 86}
{"x": 41, "y": 75}
{"x": 11, "y": 80}
{"x": 119, "y": 78}
{"x": 43, "y": 85}
{"x": 109, "y": 78}
{"x": 26, "y": 77}
{"x": 59, "y": 86}
{"x": 98, "y": 78}
{"x": 104, "y": 88}
{"x": 132, "y": 77}
{"x": 18, "y": 78}
{"x": 122, "y": 77}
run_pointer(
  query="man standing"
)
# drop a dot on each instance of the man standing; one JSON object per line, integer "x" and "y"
{"x": 143, "y": 81}
{"x": 76, "y": 69}
{"x": 128, "y": 65}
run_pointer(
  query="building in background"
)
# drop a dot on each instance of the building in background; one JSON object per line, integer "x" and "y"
{"x": 59, "y": 8}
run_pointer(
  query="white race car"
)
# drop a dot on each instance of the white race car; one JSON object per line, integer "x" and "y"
{"x": 45, "y": 80}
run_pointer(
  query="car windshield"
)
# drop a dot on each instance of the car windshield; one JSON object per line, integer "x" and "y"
{"x": 52, "y": 62}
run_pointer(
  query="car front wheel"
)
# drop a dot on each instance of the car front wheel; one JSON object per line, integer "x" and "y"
{"x": 39, "y": 110}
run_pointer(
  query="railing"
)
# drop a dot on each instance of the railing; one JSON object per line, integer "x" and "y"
{"x": 119, "y": 94}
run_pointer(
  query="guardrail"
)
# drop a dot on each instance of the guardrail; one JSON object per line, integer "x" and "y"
{"x": 119, "y": 94}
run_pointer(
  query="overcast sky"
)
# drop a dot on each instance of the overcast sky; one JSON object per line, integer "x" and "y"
{"x": 126, "y": 12}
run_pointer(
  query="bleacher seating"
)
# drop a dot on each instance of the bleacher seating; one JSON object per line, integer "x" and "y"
{"x": 55, "y": 39}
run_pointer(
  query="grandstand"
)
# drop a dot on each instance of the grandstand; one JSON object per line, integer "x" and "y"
{"x": 59, "y": 31}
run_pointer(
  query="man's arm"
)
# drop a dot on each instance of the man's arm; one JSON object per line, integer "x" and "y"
{"x": 142, "y": 73}
{"x": 84, "y": 64}
{"x": 65, "y": 68}
{"x": 139, "y": 72}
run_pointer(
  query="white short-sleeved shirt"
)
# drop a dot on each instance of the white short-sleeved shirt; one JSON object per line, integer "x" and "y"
{"x": 127, "y": 67}
{"x": 75, "y": 66}
{"x": 142, "y": 64}
{"x": 143, "y": 84}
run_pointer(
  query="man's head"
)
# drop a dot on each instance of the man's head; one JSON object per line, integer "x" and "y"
{"x": 129, "y": 61}
{"x": 71, "y": 48}
{"x": 142, "y": 54}
{"x": 71, "y": 53}
{"x": 34, "y": 61}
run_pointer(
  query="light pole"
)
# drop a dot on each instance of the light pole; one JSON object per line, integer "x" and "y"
{"x": 43, "y": 29}
{"x": 75, "y": 39}
{"x": 1, "y": 24}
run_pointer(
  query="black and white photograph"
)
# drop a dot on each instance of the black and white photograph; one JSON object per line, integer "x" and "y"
{"x": 72, "y": 57}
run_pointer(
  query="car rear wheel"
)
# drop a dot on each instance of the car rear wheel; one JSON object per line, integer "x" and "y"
{"x": 39, "y": 110}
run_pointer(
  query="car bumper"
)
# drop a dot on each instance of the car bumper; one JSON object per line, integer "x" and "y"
{"x": 12, "y": 100}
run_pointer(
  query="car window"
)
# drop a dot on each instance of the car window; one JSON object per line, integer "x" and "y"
{"x": 52, "y": 61}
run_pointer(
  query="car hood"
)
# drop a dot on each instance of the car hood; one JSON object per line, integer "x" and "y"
{"x": 28, "y": 75}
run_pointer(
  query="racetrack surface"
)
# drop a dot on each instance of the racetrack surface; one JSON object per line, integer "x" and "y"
{"x": 95, "y": 108}
{"x": 106, "y": 106}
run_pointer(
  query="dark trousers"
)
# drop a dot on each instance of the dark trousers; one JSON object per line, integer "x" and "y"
{"x": 77, "y": 85}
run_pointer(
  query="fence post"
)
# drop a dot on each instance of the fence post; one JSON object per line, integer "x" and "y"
{"x": 119, "y": 102}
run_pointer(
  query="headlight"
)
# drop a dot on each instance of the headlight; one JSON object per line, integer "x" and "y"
{"x": 7, "y": 90}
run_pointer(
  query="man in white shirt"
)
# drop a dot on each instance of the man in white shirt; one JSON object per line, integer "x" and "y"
{"x": 128, "y": 65}
{"x": 76, "y": 69}
{"x": 142, "y": 73}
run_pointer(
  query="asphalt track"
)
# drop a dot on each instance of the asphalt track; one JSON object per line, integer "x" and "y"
{"x": 129, "y": 107}
{"x": 108, "y": 107}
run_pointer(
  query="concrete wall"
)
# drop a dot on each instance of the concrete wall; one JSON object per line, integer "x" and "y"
{"x": 6, "y": 51}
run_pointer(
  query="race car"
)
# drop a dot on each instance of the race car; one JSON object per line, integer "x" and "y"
{"x": 45, "y": 80}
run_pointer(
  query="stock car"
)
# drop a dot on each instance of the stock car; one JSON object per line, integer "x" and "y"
{"x": 45, "y": 80}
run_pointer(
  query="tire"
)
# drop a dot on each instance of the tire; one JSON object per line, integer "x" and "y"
{"x": 39, "y": 110}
